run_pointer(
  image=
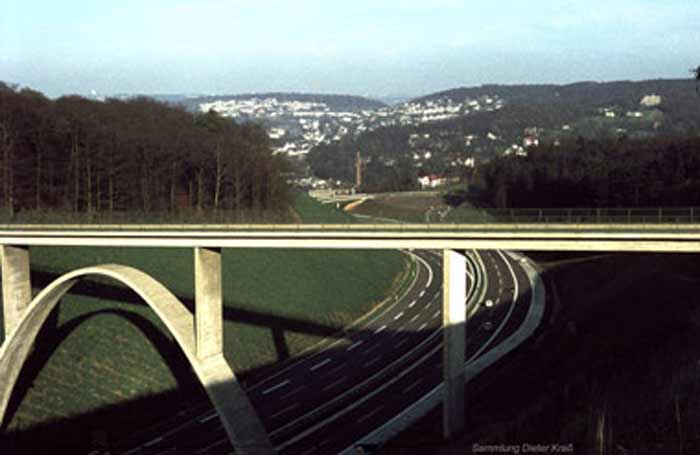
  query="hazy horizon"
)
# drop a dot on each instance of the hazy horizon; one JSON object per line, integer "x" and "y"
{"x": 393, "y": 49}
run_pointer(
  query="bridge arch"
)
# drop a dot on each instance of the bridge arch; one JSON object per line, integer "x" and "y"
{"x": 214, "y": 372}
{"x": 171, "y": 355}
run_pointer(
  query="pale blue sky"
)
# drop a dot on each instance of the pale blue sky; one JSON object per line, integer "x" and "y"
{"x": 374, "y": 47}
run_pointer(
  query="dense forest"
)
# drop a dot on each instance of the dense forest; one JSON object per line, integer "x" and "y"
{"x": 662, "y": 171}
{"x": 77, "y": 155}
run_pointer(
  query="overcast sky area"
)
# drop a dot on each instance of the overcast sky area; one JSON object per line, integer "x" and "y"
{"x": 364, "y": 47}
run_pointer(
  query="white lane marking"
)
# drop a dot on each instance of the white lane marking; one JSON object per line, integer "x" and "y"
{"x": 320, "y": 364}
{"x": 293, "y": 392}
{"x": 207, "y": 418}
{"x": 335, "y": 383}
{"x": 360, "y": 400}
{"x": 373, "y": 361}
{"x": 412, "y": 304}
{"x": 287, "y": 409}
{"x": 380, "y": 329}
{"x": 374, "y": 318}
{"x": 275, "y": 387}
{"x": 415, "y": 317}
{"x": 134, "y": 450}
{"x": 370, "y": 414}
{"x": 436, "y": 314}
{"x": 423, "y": 326}
{"x": 366, "y": 319}
{"x": 401, "y": 343}
{"x": 153, "y": 441}
{"x": 211, "y": 446}
{"x": 371, "y": 348}
{"x": 333, "y": 371}
{"x": 354, "y": 345}
{"x": 507, "y": 316}
{"x": 398, "y": 316}
{"x": 422, "y": 293}
{"x": 427, "y": 266}
{"x": 412, "y": 385}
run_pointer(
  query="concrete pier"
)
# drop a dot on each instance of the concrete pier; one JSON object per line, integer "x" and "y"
{"x": 454, "y": 315}
{"x": 16, "y": 285}
{"x": 209, "y": 321}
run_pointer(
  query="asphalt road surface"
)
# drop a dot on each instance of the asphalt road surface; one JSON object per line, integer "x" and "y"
{"x": 327, "y": 401}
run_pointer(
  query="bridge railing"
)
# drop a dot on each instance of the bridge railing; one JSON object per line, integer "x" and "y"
{"x": 616, "y": 215}
{"x": 259, "y": 220}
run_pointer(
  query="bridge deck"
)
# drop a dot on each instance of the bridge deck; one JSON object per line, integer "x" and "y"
{"x": 544, "y": 237}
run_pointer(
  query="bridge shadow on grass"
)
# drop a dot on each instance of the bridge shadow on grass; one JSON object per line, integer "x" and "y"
{"x": 92, "y": 428}
{"x": 52, "y": 336}
{"x": 118, "y": 427}
{"x": 277, "y": 325}
{"x": 134, "y": 419}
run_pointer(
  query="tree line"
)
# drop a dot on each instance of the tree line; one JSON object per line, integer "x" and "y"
{"x": 663, "y": 171}
{"x": 77, "y": 155}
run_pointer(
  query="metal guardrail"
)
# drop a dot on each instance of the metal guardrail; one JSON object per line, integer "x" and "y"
{"x": 530, "y": 216}
{"x": 645, "y": 215}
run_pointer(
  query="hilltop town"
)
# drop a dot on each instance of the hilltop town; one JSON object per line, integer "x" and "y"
{"x": 296, "y": 126}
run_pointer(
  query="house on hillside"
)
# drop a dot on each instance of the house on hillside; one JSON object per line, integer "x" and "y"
{"x": 435, "y": 180}
{"x": 530, "y": 141}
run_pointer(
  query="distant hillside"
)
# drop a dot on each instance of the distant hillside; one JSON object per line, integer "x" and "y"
{"x": 496, "y": 120}
{"x": 591, "y": 94}
{"x": 678, "y": 99}
{"x": 580, "y": 105}
{"x": 349, "y": 103}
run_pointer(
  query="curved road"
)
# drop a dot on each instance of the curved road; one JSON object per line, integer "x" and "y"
{"x": 326, "y": 402}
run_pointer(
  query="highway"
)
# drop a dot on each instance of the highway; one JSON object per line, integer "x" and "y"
{"x": 327, "y": 401}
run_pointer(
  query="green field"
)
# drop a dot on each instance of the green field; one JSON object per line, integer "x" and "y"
{"x": 411, "y": 208}
{"x": 311, "y": 211}
{"x": 104, "y": 347}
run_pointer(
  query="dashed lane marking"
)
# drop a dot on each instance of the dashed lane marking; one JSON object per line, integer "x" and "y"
{"x": 207, "y": 418}
{"x": 285, "y": 410}
{"x": 370, "y": 414}
{"x": 333, "y": 371}
{"x": 413, "y": 385}
{"x": 320, "y": 364}
{"x": 401, "y": 343}
{"x": 398, "y": 316}
{"x": 373, "y": 361}
{"x": 335, "y": 383}
{"x": 275, "y": 387}
{"x": 374, "y": 347}
{"x": 354, "y": 345}
{"x": 292, "y": 392}
{"x": 153, "y": 441}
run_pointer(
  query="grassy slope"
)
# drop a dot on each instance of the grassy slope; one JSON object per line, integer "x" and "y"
{"x": 310, "y": 211}
{"x": 279, "y": 301}
{"x": 405, "y": 208}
